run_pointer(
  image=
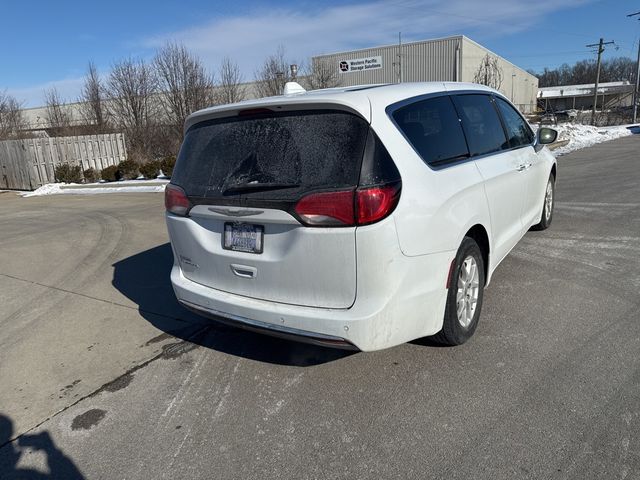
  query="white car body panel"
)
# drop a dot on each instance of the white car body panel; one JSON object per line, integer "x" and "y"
{"x": 432, "y": 200}
{"x": 502, "y": 180}
{"x": 316, "y": 253}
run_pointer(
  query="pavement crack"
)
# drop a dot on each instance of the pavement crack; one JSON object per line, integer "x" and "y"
{"x": 107, "y": 387}
{"x": 90, "y": 297}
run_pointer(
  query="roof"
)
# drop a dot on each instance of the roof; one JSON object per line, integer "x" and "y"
{"x": 391, "y": 45}
{"x": 585, "y": 89}
{"x": 362, "y": 99}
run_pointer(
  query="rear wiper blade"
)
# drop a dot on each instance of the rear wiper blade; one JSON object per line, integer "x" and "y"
{"x": 258, "y": 187}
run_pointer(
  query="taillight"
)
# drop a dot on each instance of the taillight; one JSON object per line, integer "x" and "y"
{"x": 175, "y": 200}
{"x": 327, "y": 209}
{"x": 375, "y": 203}
{"x": 348, "y": 208}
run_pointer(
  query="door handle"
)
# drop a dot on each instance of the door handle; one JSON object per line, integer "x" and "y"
{"x": 244, "y": 271}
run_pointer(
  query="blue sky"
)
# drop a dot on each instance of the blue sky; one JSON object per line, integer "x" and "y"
{"x": 46, "y": 43}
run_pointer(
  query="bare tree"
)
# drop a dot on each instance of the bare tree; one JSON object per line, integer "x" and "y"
{"x": 12, "y": 121}
{"x": 273, "y": 74}
{"x": 489, "y": 72}
{"x": 230, "y": 89}
{"x": 185, "y": 84}
{"x": 57, "y": 114}
{"x": 92, "y": 100}
{"x": 131, "y": 87}
{"x": 322, "y": 74}
{"x": 584, "y": 71}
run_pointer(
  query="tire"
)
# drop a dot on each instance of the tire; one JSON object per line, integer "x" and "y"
{"x": 457, "y": 327}
{"x": 548, "y": 203}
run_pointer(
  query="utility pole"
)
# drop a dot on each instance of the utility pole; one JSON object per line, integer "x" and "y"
{"x": 635, "y": 90}
{"x": 595, "y": 90}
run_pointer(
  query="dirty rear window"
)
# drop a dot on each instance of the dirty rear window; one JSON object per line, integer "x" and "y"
{"x": 311, "y": 149}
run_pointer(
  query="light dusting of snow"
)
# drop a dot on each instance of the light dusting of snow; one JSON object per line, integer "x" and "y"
{"x": 126, "y": 186}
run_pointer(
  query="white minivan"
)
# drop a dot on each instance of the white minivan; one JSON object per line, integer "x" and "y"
{"x": 359, "y": 217}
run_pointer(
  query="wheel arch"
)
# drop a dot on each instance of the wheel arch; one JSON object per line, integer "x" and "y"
{"x": 480, "y": 235}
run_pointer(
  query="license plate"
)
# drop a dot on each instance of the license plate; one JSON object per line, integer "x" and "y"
{"x": 243, "y": 237}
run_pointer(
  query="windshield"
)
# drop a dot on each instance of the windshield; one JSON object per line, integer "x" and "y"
{"x": 305, "y": 150}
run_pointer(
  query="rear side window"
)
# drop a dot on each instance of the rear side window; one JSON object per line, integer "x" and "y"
{"x": 481, "y": 124}
{"x": 304, "y": 149}
{"x": 377, "y": 166}
{"x": 433, "y": 129}
{"x": 519, "y": 132}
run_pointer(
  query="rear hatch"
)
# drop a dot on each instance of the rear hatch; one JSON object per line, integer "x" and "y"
{"x": 243, "y": 176}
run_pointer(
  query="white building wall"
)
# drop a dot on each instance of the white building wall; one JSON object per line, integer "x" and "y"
{"x": 517, "y": 84}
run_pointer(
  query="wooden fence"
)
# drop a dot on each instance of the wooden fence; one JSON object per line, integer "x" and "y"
{"x": 29, "y": 163}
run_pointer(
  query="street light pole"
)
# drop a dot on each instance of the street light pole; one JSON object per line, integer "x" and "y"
{"x": 513, "y": 79}
{"x": 637, "y": 86}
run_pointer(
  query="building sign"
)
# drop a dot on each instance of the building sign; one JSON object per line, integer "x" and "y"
{"x": 359, "y": 64}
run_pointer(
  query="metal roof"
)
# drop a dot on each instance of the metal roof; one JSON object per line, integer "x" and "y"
{"x": 584, "y": 89}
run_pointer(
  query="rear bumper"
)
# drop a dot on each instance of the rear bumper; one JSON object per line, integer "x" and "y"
{"x": 269, "y": 329}
{"x": 396, "y": 302}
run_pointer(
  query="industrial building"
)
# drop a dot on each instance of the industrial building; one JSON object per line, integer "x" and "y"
{"x": 455, "y": 59}
{"x": 580, "y": 97}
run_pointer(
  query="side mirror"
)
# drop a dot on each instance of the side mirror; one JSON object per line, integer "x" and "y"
{"x": 545, "y": 136}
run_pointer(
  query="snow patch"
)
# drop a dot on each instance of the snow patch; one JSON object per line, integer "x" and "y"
{"x": 47, "y": 189}
{"x": 583, "y": 136}
{"x": 126, "y": 186}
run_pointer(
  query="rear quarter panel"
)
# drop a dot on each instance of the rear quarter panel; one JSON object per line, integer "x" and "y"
{"x": 437, "y": 207}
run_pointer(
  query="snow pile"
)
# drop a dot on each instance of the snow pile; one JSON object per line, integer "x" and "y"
{"x": 48, "y": 189}
{"x": 130, "y": 186}
{"x": 583, "y": 136}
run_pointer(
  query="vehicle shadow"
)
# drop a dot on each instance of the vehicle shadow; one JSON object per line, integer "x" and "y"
{"x": 144, "y": 279}
{"x": 428, "y": 342}
{"x": 59, "y": 465}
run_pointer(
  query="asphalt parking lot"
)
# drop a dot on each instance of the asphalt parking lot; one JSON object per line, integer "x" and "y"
{"x": 103, "y": 375}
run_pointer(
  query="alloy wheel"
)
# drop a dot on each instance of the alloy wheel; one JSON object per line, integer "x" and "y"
{"x": 468, "y": 291}
{"x": 548, "y": 201}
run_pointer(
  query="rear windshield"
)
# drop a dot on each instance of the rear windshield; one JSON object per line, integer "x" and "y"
{"x": 305, "y": 149}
